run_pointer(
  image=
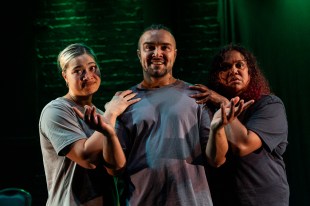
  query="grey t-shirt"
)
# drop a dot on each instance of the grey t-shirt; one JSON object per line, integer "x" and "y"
{"x": 164, "y": 137}
{"x": 67, "y": 182}
{"x": 259, "y": 178}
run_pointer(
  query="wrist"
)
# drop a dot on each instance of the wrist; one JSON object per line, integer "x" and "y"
{"x": 110, "y": 117}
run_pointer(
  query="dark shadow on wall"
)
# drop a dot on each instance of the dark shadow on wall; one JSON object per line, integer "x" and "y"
{"x": 21, "y": 163}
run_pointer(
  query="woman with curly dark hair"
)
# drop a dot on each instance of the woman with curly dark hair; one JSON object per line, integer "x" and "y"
{"x": 246, "y": 152}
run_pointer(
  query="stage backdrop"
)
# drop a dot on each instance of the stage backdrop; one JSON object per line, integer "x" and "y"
{"x": 278, "y": 32}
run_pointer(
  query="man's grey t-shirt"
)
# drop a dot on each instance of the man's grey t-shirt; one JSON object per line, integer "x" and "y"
{"x": 164, "y": 137}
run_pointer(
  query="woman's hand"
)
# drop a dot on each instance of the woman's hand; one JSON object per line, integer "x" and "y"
{"x": 229, "y": 112}
{"x": 207, "y": 95}
{"x": 120, "y": 101}
{"x": 95, "y": 121}
{"x": 115, "y": 107}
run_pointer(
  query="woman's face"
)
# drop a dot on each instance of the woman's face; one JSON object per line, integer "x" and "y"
{"x": 82, "y": 76}
{"x": 234, "y": 74}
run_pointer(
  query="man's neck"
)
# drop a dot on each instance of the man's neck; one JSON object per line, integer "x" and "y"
{"x": 156, "y": 83}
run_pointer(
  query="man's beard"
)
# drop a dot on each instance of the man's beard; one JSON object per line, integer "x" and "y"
{"x": 157, "y": 73}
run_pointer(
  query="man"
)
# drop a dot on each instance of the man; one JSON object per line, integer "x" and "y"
{"x": 164, "y": 135}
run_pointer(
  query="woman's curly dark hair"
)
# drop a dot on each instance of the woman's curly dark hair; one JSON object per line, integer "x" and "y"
{"x": 258, "y": 84}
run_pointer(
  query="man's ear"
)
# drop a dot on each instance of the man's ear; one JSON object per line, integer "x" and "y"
{"x": 175, "y": 53}
{"x": 139, "y": 53}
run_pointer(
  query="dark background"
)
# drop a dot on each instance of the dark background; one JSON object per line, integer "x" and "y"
{"x": 33, "y": 33}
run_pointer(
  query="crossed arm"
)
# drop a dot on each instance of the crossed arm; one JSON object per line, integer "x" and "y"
{"x": 226, "y": 130}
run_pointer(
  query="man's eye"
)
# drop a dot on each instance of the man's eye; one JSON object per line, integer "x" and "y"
{"x": 149, "y": 48}
{"x": 166, "y": 48}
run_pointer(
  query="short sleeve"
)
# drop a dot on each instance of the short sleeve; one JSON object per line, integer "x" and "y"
{"x": 61, "y": 126}
{"x": 268, "y": 120}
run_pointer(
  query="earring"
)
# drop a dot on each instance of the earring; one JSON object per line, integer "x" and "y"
{"x": 67, "y": 84}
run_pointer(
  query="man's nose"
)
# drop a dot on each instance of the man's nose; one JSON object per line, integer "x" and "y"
{"x": 157, "y": 52}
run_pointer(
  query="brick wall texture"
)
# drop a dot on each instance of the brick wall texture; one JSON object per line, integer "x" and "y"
{"x": 112, "y": 29}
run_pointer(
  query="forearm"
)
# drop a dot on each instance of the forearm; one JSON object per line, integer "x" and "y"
{"x": 113, "y": 154}
{"x": 217, "y": 147}
{"x": 110, "y": 117}
{"x": 242, "y": 140}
